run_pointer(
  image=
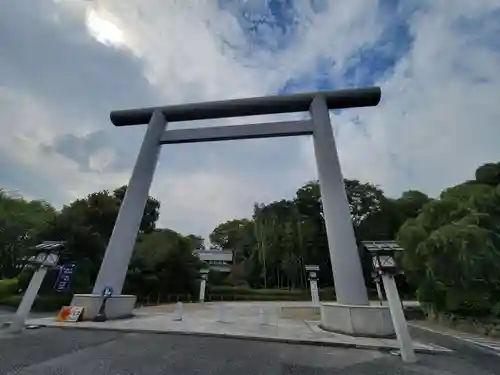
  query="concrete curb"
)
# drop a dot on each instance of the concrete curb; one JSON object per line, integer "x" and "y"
{"x": 283, "y": 340}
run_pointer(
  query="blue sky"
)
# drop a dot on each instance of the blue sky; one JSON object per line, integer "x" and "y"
{"x": 65, "y": 64}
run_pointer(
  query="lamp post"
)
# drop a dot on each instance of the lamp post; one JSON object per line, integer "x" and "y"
{"x": 203, "y": 283}
{"x": 385, "y": 267}
{"x": 47, "y": 256}
{"x": 312, "y": 271}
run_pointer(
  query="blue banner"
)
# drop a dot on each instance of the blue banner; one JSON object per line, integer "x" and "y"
{"x": 63, "y": 281}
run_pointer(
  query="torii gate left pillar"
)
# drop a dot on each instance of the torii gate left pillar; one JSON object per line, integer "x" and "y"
{"x": 346, "y": 266}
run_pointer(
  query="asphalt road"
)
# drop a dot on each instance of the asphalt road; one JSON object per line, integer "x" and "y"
{"x": 78, "y": 352}
{"x": 474, "y": 354}
{"x": 5, "y": 316}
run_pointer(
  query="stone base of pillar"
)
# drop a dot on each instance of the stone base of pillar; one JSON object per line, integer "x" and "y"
{"x": 120, "y": 306}
{"x": 355, "y": 320}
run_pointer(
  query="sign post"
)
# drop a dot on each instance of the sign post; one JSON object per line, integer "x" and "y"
{"x": 106, "y": 293}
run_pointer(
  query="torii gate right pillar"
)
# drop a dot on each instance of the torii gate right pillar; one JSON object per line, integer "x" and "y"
{"x": 350, "y": 286}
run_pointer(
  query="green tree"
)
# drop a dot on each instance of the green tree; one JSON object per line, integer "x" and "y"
{"x": 151, "y": 210}
{"x": 86, "y": 226}
{"x": 452, "y": 249}
{"x": 21, "y": 223}
{"x": 364, "y": 199}
{"x": 196, "y": 242}
{"x": 411, "y": 202}
{"x": 488, "y": 174}
{"x": 162, "y": 264}
{"x": 229, "y": 235}
{"x": 311, "y": 231}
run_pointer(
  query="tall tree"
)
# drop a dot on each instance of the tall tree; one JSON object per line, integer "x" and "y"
{"x": 151, "y": 210}
{"x": 21, "y": 223}
{"x": 196, "y": 242}
{"x": 488, "y": 174}
{"x": 452, "y": 249}
{"x": 86, "y": 226}
{"x": 162, "y": 264}
{"x": 364, "y": 199}
{"x": 229, "y": 234}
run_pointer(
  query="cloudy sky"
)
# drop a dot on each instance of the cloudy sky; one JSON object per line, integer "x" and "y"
{"x": 64, "y": 64}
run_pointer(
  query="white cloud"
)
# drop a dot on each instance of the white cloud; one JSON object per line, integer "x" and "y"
{"x": 204, "y": 197}
{"x": 435, "y": 125}
{"x": 438, "y": 119}
{"x": 103, "y": 28}
{"x": 182, "y": 44}
{"x": 32, "y": 126}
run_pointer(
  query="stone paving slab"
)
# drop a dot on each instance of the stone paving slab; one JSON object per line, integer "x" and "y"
{"x": 243, "y": 322}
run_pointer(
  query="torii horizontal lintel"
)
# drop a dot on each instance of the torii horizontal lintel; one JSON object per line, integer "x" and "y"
{"x": 232, "y": 132}
{"x": 349, "y": 98}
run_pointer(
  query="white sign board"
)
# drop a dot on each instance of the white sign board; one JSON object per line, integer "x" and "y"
{"x": 70, "y": 314}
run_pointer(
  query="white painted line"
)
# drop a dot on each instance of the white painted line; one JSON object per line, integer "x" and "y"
{"x": 477, "y": 343}
{"x": 495, "y": 346}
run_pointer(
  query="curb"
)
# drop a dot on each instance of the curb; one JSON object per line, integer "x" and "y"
{"x": 434, "y": 351}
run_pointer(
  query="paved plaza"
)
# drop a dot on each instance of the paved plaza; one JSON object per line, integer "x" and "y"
{"x": 271, "y": 321}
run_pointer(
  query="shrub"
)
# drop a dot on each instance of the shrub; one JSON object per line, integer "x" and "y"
{"x": 52, "y": 302}
{"x": 245, "y": 290}
{"x": 218, "y": 293}
{"x": 42, "y": 303}
{"x": 11, "y": 301}
{"x": 8, "y": 287}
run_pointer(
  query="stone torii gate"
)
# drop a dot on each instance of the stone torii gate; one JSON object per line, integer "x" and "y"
{"x": 346, "y": 266}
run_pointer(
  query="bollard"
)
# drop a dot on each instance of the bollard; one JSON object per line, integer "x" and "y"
{"x": 222, "y": 314}
{"x": 178, "y": 312}
{"x": 264, "y": 317}
{"x": 203, "y": 283}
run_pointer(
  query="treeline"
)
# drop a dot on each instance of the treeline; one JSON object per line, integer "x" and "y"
{"x": 452, "y": 248}
{"x": 162, "y": 261}
{"x": 452, "y": 243}
{"x": 272, "y": 248}
{"x": 451, "y": 258}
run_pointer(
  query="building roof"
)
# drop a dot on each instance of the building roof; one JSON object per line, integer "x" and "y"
{"x": 50, "y": 245}
{"x": 208, "y": 255}
{"x": 375, "y": 246}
